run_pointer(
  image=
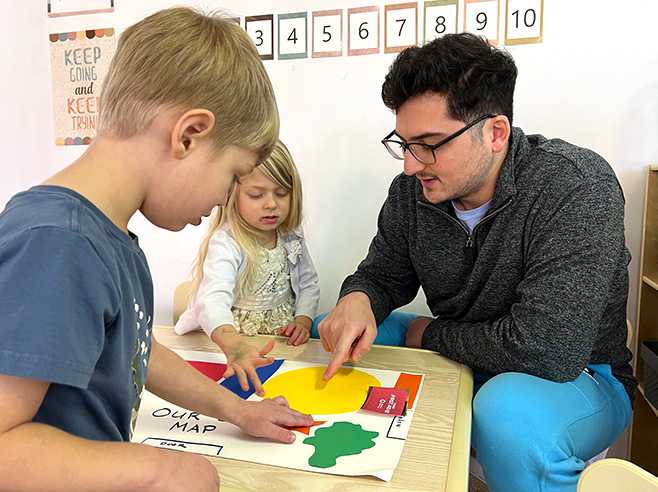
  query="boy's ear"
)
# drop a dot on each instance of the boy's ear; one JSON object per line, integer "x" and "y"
{"x": 190, "y": 128}
{"x": 501, "y": 130}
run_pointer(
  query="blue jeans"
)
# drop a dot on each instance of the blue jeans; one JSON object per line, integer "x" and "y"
{"x": 392, "y": 331}
{"x": 531, "y": 434}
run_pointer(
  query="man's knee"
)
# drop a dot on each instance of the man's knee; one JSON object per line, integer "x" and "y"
{"x": 508, "y": 409}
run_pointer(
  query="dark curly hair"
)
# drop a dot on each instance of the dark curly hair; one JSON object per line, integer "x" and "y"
{"x": 475, "y": 77}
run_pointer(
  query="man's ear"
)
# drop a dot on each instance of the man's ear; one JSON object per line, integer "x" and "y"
{"x": 501, "y": 131}
{"x": 189, "y": 128}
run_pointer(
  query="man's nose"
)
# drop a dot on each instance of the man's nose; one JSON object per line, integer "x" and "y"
{"x": 411, "y": 164}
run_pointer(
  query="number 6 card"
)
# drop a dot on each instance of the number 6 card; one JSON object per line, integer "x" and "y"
{"x": 363, "y": 30}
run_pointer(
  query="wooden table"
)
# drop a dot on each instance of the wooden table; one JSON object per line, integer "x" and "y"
{"x": 436, "y": 452}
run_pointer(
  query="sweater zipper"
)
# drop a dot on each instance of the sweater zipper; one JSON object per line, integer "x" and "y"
{"x": 469, "y": 249}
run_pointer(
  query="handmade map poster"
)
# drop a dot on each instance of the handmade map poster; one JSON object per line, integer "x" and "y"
{"x": 344, "y": 439}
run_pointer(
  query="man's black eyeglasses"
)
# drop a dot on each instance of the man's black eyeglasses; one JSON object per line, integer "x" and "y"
{"x": 423, "y": 152}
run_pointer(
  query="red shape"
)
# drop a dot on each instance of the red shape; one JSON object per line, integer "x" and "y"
{"x": 387, "y": 400}
{"x": 214, "y": 370}
{"x": 307, "y": 430}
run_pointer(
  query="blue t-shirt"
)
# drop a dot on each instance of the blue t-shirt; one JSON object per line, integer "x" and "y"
{"x": 470, "y": 218}
{"x": 76, "y": 298}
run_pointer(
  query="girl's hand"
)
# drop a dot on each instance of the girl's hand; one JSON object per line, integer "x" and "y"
{"x": 299, "y": 330}
{"x": 242, "y": 358}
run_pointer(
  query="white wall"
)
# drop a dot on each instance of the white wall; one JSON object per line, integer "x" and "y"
{"x": 593, "y": 81}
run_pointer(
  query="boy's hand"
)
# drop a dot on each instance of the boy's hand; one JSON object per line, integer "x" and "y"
{"x": 242, "y": 358}
{"x": 268, "y": 419}
{"x": 299, "y": 330}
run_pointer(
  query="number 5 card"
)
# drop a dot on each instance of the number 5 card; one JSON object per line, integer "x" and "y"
{"x": 327, "y": 33}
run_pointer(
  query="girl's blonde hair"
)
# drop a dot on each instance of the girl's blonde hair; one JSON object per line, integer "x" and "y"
{"x": 280, "y": 168}
{"x": 179, "y": 59}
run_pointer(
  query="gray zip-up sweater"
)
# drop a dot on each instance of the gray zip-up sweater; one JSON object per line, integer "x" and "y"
{"x": 540, "y": 286}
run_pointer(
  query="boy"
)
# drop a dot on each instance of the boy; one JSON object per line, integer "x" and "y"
{"x": 186, "y": 108}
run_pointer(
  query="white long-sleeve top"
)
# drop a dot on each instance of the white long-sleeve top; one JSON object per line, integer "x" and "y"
{"x": 219, "y": 288}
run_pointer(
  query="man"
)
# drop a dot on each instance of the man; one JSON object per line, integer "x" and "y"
{"x": 518, "y": 244}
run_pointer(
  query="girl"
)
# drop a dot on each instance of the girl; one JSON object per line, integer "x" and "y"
{"x": 253, "y": 273}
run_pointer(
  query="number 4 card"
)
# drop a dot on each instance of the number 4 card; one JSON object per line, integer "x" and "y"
{"x": 292, "y": 36}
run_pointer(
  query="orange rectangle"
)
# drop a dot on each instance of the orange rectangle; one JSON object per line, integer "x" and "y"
{"x": 412, "y": 383}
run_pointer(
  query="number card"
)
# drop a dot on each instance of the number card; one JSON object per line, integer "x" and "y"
{"x": 327, "y": 33}
{"x": 482, "y": 17}
{"x": 292, "y": 36}
{"x": 400, "y": 26}
{"x": 524, "y": 21}
{"x": 261, "y": 30}
{"x": 440, "y": 18}
{"x": 363, "y": 30}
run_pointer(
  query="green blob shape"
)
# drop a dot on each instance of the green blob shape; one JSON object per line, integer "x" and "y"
{"x": 341, "y": 439}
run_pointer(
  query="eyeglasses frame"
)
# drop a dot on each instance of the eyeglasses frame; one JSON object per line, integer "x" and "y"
{"x": 433, "y": 148}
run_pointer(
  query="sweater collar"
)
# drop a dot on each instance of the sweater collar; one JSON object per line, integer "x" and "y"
{"x": 506, "y": 183}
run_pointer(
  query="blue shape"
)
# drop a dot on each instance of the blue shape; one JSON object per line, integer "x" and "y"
{"x": 264, "y": 373}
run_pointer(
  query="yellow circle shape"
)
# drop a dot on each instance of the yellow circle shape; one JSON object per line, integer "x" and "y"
{"x": 307, "y": 392}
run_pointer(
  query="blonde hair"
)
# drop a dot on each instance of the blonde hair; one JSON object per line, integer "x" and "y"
{"x": 280, "y": 168}
{"x": 179, "y": 59}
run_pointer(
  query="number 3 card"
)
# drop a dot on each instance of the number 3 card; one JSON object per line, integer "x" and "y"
{"x": 261, "y": 30}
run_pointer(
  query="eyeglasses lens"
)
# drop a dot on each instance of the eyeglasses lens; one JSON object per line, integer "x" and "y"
{"x": 395, "y": 149}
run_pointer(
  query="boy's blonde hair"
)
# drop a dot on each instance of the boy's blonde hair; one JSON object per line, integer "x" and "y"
{"x": 179, "y": 59}
{"x": 278, "y": 167}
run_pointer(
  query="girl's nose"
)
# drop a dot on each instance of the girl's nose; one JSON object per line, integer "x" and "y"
{"x": 270, "y": 203}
